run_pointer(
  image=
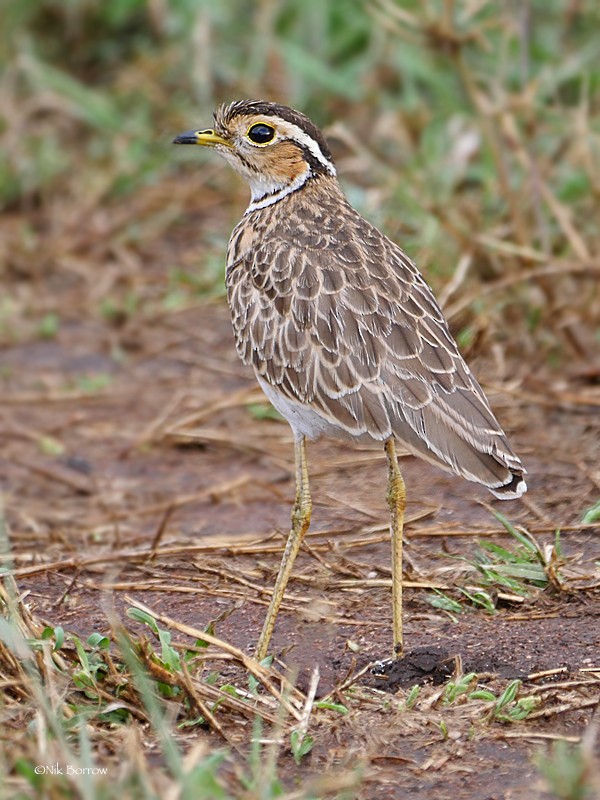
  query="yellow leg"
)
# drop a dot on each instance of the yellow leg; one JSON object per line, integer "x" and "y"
{"x": 396, "y": 497}
{"x": 300, "y": 521}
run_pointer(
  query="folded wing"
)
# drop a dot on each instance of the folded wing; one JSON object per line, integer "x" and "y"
{"x": 354, "y": 331}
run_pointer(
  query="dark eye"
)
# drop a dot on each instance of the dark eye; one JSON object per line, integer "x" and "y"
{"x": 261, "y": 133}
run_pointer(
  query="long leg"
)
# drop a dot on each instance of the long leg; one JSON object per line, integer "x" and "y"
{"x": 300, "y": 521}
{"x": 396, "y": 497}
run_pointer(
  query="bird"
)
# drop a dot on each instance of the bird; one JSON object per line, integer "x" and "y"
{"x": 344, "y": 334}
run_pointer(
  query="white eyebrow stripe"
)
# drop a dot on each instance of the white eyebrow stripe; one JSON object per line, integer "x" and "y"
{"x": 291, "y": 131}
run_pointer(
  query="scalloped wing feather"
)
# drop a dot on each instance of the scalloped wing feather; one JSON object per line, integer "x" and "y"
{"x": 343, "y": 329}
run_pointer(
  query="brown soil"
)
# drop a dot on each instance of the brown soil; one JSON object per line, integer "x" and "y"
{"x": 170, "y": 456}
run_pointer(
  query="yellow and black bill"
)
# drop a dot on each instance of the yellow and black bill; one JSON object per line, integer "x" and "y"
{"x": 207, "y": 138}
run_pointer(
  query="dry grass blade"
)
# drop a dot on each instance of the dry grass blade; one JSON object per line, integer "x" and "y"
{"x": 589, "y": 267}
{"x": 541, "y": 735}
{"x": 289, "y": 697}
{"x": 565, "y": 708}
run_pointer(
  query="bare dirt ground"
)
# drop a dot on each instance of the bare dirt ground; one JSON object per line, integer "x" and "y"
{"x": 161, "y": 483}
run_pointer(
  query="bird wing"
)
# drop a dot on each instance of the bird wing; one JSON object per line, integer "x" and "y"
{"x": 347, "y": 325}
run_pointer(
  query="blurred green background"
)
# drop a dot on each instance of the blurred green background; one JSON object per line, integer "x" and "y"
{"x": 468, "y": 130}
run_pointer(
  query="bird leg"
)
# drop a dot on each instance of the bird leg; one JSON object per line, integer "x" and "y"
{"x": 396, "y": 498}
{"x": 301, "y": 512}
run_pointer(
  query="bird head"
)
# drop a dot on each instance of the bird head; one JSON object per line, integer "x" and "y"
{"x": 275, "y": 148}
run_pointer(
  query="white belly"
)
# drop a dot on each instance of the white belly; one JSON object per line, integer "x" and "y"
{"x": 303, "y": 420}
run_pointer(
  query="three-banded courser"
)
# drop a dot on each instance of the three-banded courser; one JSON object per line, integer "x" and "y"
{"x": 344, "y": 334}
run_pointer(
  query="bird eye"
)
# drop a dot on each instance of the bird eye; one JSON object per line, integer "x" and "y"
{"x": 261, "y": 133}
